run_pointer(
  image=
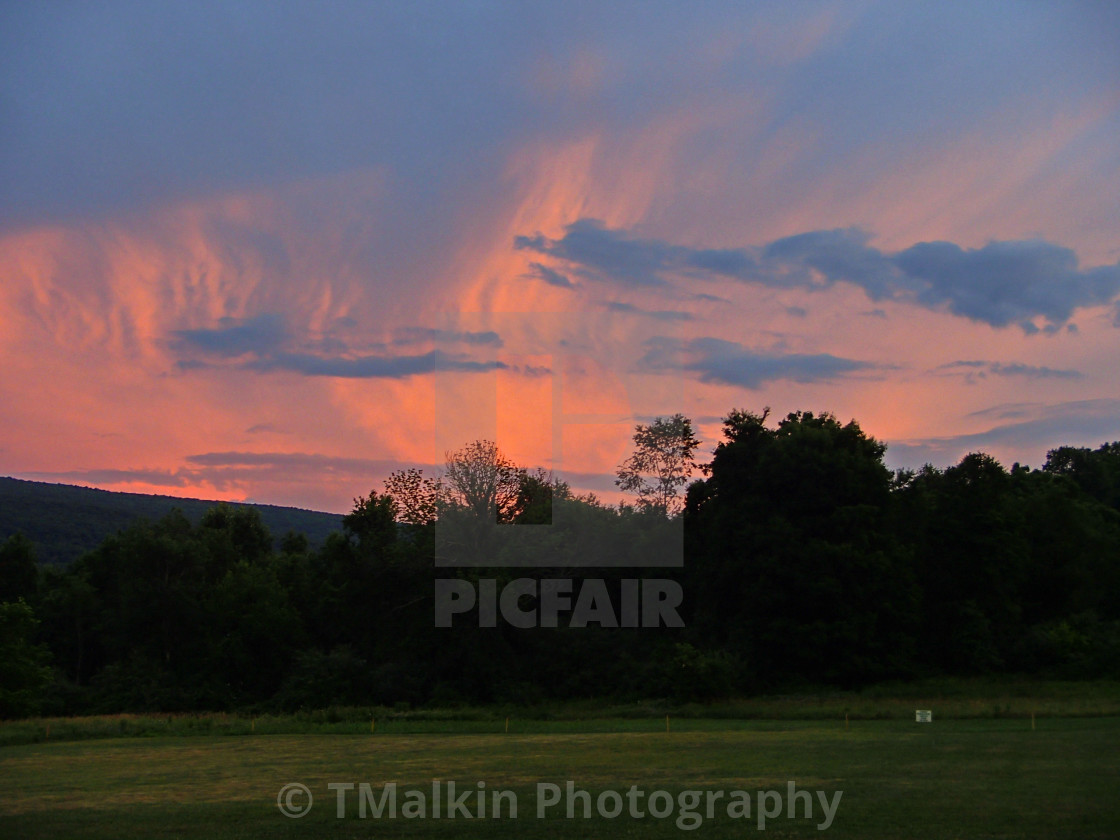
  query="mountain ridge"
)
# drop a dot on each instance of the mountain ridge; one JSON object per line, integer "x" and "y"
{"x": 66, "y": 520}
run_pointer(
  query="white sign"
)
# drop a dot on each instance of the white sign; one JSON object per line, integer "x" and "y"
{"x": 923, "y": 716}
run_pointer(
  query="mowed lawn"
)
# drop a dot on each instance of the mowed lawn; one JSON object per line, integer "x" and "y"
{"x": 949, "y": 779}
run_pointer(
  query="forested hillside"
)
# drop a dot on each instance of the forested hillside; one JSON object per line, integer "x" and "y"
{"x": 65, "y": 521}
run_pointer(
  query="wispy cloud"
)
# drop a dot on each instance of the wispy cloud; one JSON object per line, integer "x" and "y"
{"x": 258, "y": 344}
{"x": 421, "y": 335}
{"x": 540, "y": 271}
{"x": 295, "y": 461}
{"x": 264, "y": 428}
{"x": 373, "y": 367}
{"x": 977, "y": 369}
{"x": 111, "y": 477}
{"x": 656, "y": 314}
{"x": 222, "y": 470}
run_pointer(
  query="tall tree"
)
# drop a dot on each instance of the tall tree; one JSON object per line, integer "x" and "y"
{"x": 416, "y": 496}
{"x": 790, "y": 563}
{"x": 661, "y": 464}
{"x": 483, "y": 480}
{"x": 373, "y": 521}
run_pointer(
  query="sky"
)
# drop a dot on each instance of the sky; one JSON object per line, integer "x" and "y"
{"x": 273, "y": 251}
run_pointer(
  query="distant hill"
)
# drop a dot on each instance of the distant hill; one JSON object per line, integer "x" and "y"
{"x": 65, "y": 521}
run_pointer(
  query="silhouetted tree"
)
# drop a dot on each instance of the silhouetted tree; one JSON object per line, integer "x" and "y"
{"x": 416, "y": 496}
{"x": 661, "y": 464}
{"x": 483, "y": 480}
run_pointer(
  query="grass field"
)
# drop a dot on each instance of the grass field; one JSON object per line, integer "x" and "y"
{"x": 951, "y": 698}
{"x": 983, "y": 777}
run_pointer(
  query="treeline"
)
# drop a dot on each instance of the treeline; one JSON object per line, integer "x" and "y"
{"x": 807, "y": 562}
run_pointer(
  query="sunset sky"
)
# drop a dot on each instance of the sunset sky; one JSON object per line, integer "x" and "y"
{"x": 271, "y": 251}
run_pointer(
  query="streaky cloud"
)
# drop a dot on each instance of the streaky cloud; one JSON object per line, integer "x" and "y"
{"x": 258, "y": 344}
{"x": 978, "y": 368}
{"x": 420, "y": 335}
{"x": 223, "y": 469}
{"x": 540, "y": 271}
{"x": 373, "y": 367}
{"x": 290, "y": 461}
{"x": 656, "y": 314}
{"x": 156, "y": 478}
{"x": 264, "y": 428}
{"x": 1034, "y": 371}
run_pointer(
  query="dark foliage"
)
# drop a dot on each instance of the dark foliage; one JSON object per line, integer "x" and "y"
{"x": 807, "y": 563}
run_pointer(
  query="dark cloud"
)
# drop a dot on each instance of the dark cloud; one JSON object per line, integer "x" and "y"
{"x": 1002, "y": 283}
{"x": 981, "y": 369}
{"x": 730, "y": 363}
{"x": 824, "y": 257}
{"x": 533, "y": 370}
{"x": 1034, "y": 371}
{"x": 373, "y": 367}
{"x": 1006, "y": 282}
{"x": 656, "y": 314}
{"x": 420, "y": 335}
{"x": 262, "y": 428}
{"x": 709, "y": 298}
{"x": 550, "y": 276}
{"x": 1008, "y": 411}
{"x": 595, "y": 251}
{"x": 234, "y": 337}
{"x": 264, "y": 337}
{"x": 187, "y": 365}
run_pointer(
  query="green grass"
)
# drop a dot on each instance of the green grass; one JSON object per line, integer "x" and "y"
{"x": 950, "y": 699}
{"x": 982, "y": 777}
